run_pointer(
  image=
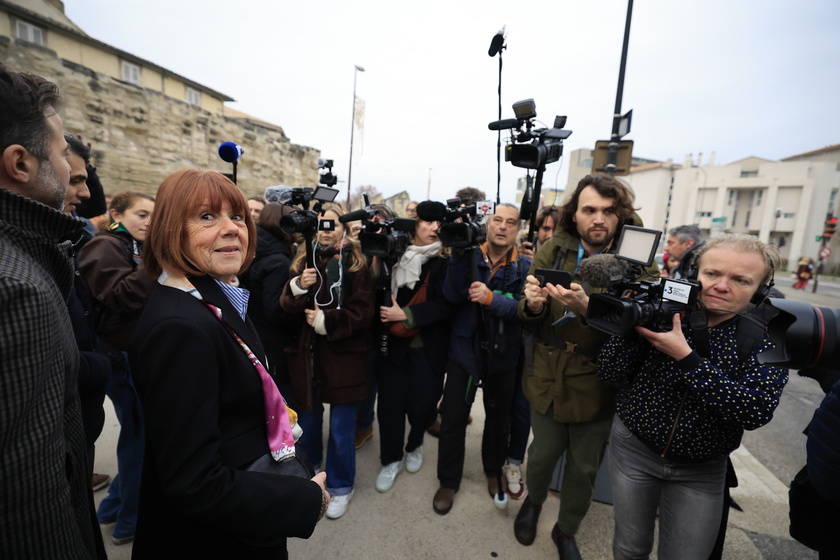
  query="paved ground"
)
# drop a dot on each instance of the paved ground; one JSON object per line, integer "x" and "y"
{"x": 402, "y": 524}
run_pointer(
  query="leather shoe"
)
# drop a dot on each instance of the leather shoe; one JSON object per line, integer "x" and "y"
{"x": 443, "y": 500}
{"x": 434, "y": 429}
{"x": 566, "y": 546}
{"x": 525, "y": 526}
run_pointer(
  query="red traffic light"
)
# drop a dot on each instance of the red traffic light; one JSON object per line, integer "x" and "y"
{"x": 830, "y": 227}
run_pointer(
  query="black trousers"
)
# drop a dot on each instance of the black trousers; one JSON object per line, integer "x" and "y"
{"x": 498, "y": 395}
{"x": 409, "y": 389}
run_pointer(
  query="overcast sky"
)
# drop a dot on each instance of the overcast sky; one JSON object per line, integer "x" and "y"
{"x": 738, "y": 78}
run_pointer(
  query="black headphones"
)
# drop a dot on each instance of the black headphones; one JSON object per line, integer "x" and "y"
{"x": 760, "y": 295}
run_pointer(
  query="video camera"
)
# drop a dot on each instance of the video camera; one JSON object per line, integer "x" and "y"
{"x": 304, "y": 220}
{"x": 462, "y": 227}
{"x": 387, "y": 239}
{"x": 650, "y": 304}
{"x": 530, "y": 147}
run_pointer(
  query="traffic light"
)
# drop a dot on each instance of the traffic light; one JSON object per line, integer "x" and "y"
{"x": 830, "y": 227}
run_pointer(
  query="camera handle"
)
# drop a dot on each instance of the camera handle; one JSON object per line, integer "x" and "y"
{"x": 483, "y": 360}
{"x": 529, "y": 212}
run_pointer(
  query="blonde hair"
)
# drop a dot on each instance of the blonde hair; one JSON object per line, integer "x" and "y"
{"x": 747, "y": 244}
{"x": 358, "y": 260}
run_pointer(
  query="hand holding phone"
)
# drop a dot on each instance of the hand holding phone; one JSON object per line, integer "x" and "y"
{"x": 555, "y": 277}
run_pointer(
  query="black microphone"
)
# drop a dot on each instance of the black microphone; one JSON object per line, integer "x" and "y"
{"x": 431, "y": 211}
{"x": 230, "y": 152}
{"x": 353, "y": 216}
{"x": 503, "y": 124}
{"x": 602, "y": 271}
{"x": 498, "y": 43}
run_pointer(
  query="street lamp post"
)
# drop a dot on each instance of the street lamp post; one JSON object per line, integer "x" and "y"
{"x": 352, "y": 130}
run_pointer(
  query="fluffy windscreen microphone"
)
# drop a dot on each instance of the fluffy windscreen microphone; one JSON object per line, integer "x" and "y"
{"x": 602, "y": 271}
{"x": 431, "y": 211}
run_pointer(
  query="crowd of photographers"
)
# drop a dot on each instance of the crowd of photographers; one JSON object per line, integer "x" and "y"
{"x": 404, "y": 317}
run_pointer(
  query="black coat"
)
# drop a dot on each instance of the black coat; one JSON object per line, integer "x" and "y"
{"x": 205, "y": 421}
{"x": 265, "y": 279}
{"x": 431, "y": 317}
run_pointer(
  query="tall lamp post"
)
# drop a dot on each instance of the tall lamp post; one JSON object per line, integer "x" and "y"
{"x": 352, "y": 130}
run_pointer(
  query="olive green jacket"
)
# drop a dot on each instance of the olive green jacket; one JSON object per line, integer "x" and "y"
{"x": 560, "y": 377}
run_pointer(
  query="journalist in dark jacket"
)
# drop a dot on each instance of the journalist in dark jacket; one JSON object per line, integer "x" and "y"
{"x": 265, "y": 279}
{"x": 410, "y": 376}
{"x": 485, "y": 308}
{"x": 203, "y": 394}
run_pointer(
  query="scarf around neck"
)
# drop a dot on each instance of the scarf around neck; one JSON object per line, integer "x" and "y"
{"x": 408, "y": 269}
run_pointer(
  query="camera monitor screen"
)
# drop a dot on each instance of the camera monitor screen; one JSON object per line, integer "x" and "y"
{"x": 638, "y": 245}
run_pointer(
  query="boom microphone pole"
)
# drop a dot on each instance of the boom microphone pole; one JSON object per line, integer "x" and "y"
{"x": 497, "y": 45}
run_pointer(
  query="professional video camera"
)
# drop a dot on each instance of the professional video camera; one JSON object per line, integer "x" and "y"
{"x": 651, "y": 304}
{"x": 387, "y": 239}
{"x": 304, "y": 220}
{"x": 530, "y": 147}
{"x": 462, "y": 227}
{"x": 805, "y": 336}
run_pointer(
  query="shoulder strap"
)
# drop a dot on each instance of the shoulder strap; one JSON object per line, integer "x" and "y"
{"x": 560, "y": 258}
{"x": 749, "y": 334}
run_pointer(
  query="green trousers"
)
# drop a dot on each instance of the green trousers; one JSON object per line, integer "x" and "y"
{"x": 584, "y": 444}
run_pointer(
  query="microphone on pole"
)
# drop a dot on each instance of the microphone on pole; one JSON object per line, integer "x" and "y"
{"x": 231, "y": 152}
{"x": 497, "y": 44}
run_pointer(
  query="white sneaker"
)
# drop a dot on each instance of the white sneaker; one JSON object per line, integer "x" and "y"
{"x": 339, "y": 505}
{"x": 387, "y": 475}
{"x": 513, "y": 474}
{"x": 414, "y": 460}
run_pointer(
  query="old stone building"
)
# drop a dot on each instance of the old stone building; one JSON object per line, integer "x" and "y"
{"x": 143, "y": 121}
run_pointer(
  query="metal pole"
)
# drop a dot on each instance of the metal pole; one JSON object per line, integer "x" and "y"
{"x": 612, "y": 156}
{"x": 352, "y": 130}
{"x": 429, "y": 186}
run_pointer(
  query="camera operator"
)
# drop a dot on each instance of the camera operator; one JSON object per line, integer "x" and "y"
{"x": 502, "y": 273}
{"x": 685, "y": 399}
{"x": 571, "y": 409}
{"x": 331, "y": 307}
{"x": 410, "y": 377}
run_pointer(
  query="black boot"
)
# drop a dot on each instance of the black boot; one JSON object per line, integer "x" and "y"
{"x": 525, "y": 526}
{"x": 566, "y": 546}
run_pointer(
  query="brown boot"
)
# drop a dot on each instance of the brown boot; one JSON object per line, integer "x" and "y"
{"x": 443, "y": 500}
{"x": 362, "y": 436}
{"x": 525, "y": 526}
{"x": 566, "y": 546}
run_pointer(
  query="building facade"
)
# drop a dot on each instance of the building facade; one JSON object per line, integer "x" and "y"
{"x": 143, "y": 121}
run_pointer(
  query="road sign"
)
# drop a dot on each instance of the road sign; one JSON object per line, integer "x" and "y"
{"x": 825, "y": 252}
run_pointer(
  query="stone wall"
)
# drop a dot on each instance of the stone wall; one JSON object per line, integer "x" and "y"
{"x": 140, "y": 136}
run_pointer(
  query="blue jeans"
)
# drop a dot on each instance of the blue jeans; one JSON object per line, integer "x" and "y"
{"x": 341, "y": 447}
{"x": 124, "y": 491}
{"x": 689, "y": 497}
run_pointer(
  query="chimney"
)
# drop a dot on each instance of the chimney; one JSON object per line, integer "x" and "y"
{"x": 712, "y": 158}
{"x": 700, "y": 159}
{"x": 687, "y": 161}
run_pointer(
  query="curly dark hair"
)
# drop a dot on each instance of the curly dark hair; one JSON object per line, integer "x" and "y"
{"x": 606, "y": 186}
{"x": 23, "y": 100}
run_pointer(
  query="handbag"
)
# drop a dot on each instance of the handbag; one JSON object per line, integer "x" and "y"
{"x": 297, "y": 465}
{"x": 813, "y": 519}
{"x": 398, "y": 328}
